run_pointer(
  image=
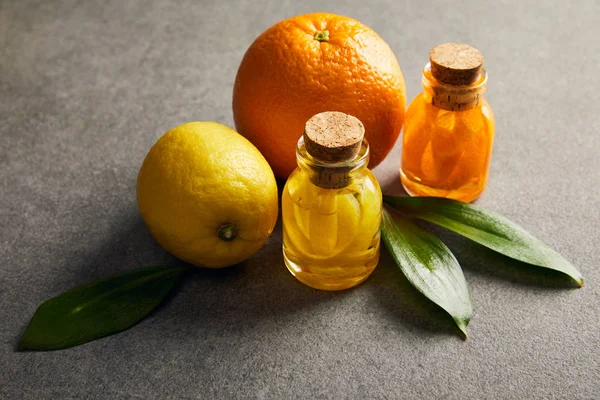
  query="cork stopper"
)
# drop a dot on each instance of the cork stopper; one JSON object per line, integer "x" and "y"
{"x": 455, "y": 63}
{"x": 333, "y": 136}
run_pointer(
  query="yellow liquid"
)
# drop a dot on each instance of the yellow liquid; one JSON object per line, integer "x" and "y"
{"x": 331, "y": 236}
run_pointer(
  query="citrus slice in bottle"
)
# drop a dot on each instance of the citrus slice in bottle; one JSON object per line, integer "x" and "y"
{"x": 371, "y": 215}
{"x": 416, "y": 135}
{"x": 296, "y": 202}
{"x": 331, "y": 223}
{"x": 348, "y": 218}
{"x": 471, "y": 126}
{"x": 323, "y": 223}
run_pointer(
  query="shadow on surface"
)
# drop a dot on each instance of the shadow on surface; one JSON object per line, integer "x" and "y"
{"x": 481, "y": 260}
{"x": 130, "y": 245}
{"x": 392, "y": 186}
{"x": 409, "y": 307}
{"x": 231, "y": 300}
{"x": 405, "y": 304}
{"x": 241, "y": 297}
{"x": 236, "y": 299}
{"x": 244, "y": 294}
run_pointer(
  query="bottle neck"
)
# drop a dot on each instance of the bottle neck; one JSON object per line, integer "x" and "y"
{"x": 453, "y": 97}
{"x": 333, "y": 175}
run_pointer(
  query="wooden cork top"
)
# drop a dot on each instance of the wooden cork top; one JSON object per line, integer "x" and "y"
{"x": 455, "y": 63}
{"x": 333, "y": 136}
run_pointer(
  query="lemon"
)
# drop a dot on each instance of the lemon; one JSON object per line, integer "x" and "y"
{"x": 207, "y": 195}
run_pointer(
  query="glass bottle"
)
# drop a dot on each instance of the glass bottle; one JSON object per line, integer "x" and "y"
{"x": 331, "y": 206}
{"x": 449, "y": 127}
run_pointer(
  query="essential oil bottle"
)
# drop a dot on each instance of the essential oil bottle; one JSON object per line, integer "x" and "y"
{"x": 331, "y": 206}
{"x": 449, "y": 127}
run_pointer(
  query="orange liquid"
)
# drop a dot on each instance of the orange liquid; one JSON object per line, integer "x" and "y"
{"x": 446, "y": 153}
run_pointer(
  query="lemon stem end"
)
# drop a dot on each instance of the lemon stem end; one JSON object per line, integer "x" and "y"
{"x": 227, "y": 232}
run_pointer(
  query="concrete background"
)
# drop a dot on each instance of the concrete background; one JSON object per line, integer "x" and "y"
{"x": 86, "y": 87}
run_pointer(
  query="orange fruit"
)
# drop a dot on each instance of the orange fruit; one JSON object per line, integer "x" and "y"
{"x": 313, "y": 63}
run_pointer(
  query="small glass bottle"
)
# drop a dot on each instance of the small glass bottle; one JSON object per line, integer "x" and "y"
{"x": 331, "y": 206}
{"x": 449, "y": 127}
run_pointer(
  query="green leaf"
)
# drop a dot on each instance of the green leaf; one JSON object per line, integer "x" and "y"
{"x": 97, "y": 309}
{"x": 486, "y": 228}
{"x": 429, "y": 266}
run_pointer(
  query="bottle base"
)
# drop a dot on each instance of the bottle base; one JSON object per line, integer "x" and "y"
{"x": 329, "y": 281}
{"x": 467, "y": 193}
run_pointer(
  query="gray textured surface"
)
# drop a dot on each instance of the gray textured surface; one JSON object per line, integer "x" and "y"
{"x": 86, "y": 87}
